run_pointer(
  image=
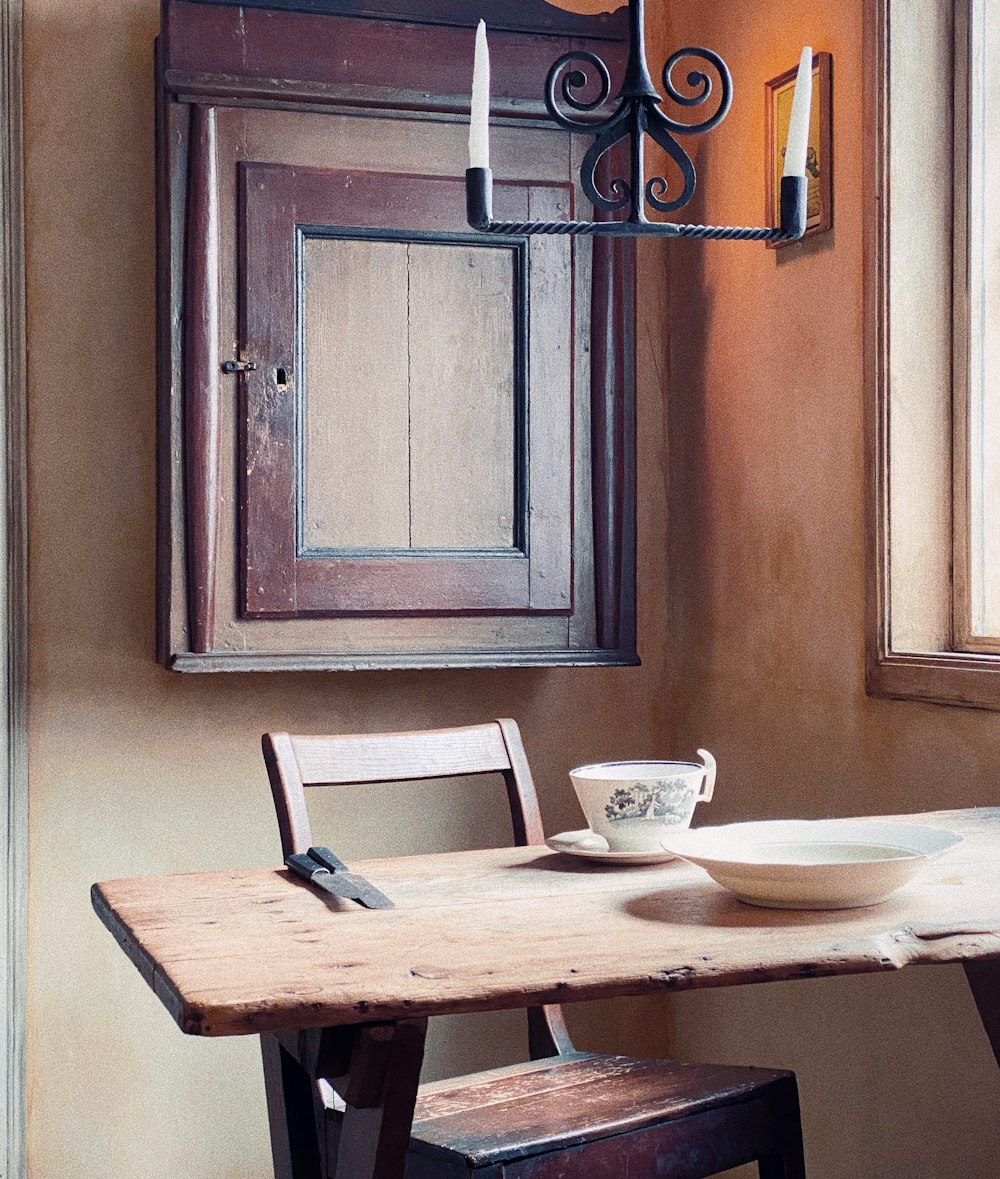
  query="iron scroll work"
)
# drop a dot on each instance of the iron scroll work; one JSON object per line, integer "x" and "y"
{"x": 637, "y": 113}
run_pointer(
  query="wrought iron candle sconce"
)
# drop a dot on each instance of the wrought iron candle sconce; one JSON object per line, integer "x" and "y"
{"x": 636, "y": 113}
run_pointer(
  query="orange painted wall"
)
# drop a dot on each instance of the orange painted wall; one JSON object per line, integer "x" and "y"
{"x": 766, "y": 621}
{"x": 135, "y": 770}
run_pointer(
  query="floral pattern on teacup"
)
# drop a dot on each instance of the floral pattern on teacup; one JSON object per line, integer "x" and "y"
{"x": 667, "y": 801}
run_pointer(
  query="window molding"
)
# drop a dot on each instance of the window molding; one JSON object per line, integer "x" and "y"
{"x": 13, "y": 594}
{"x": 976, "y": 628}
{"x": 961, "y": 345}
{"x": 944, "y": 676}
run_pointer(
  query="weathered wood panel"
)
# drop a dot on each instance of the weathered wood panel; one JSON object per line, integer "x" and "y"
{"x": 201, "y": 378}
{"x": 392, "y": 757}
{"x": 462, "y": 338}
{"x": 354, "y": 395}
{"x": 551, "y": 443}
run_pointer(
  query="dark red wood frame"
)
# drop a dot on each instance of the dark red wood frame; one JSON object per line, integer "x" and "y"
{"x": 279, "y": 580}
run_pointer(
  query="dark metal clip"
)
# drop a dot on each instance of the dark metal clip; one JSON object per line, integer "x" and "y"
{"x": 329, "y": 873}
{"x": 239, "y": 366}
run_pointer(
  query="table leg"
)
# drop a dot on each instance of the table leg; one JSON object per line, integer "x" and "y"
{"x": 380, "y": 1093}
{"x": 374, "y": 1069}
{"x": 984, "y": 982}
{"x": 295, "y": 1114}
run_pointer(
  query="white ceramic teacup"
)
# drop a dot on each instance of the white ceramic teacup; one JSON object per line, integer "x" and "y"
{"x": 634, "y": 804}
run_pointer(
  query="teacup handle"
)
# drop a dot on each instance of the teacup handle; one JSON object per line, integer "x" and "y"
{"x": 708, "y": 782}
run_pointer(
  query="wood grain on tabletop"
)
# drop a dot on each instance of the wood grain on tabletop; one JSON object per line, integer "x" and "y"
{"x": 249, "y": 951}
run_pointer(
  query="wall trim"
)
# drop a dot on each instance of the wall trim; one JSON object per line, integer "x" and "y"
{"x": 13, "y": 597}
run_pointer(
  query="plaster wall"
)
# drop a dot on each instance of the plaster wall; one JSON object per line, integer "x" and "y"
{"x": 767, "y": 622}
{"x": 759, "y": 655}
{"x": 135, "y": 770}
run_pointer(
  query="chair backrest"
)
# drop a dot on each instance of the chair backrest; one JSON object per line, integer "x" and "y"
{"x": 294, "y": 763}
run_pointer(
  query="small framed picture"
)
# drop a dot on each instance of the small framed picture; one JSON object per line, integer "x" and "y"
{"x": 819, "y": 161}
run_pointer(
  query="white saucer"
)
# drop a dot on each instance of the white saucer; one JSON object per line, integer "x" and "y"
{"x": 588, "y": 846}
{"x": 813, "y": 864}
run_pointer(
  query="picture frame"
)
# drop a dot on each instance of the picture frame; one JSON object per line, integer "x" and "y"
{"x": 819, "y": 167}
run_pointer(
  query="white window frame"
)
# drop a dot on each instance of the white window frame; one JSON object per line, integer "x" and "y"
{"x": 977, "y": 414}
{"x": 918, "y": 641}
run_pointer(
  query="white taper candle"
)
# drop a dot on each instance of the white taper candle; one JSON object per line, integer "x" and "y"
{"x": 479, "y": 127}
{"x": 798, "y": 125}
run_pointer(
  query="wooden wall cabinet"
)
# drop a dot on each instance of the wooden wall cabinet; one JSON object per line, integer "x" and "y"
{"x": 385, "y": 440}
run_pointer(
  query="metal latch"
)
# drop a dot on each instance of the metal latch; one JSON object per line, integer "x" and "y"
{"x": 239, "y": 366}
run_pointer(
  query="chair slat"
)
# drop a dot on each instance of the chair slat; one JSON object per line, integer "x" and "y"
{"x": 397, "y": 757}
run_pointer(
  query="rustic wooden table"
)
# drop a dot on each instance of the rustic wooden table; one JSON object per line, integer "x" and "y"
{"x": 346, "y": 991}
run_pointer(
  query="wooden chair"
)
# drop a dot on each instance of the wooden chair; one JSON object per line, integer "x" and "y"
{"x": 566, "y": 1114}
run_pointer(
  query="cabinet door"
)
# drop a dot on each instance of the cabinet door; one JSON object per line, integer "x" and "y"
{"x": 403, "y": 450}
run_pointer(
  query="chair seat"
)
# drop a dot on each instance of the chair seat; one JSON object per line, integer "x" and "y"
{"x": 564, "y": 1102}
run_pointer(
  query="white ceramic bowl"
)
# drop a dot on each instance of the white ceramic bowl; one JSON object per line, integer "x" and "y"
{"x": 812, "y": 864}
